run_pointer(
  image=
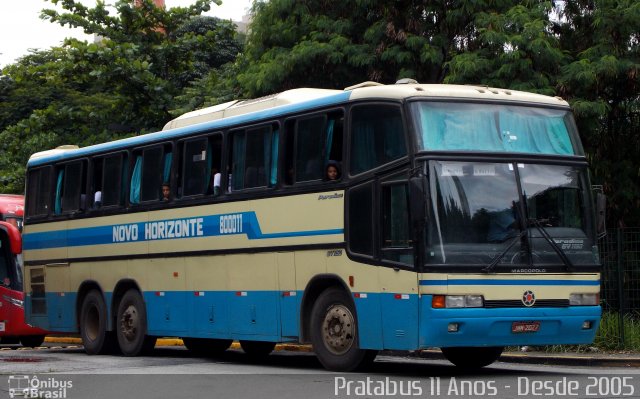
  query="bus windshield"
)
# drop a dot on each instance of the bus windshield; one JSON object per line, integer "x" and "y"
{"x": 446, "y": 126}
{"x": 479, "y": 217}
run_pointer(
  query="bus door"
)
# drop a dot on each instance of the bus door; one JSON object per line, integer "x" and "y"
{"x": 289, "y": 298}
{"x": 397, "y": 277}
{"x": 11, "y": 296}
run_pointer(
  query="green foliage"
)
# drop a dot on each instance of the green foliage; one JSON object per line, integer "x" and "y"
{"x": 601, "y": 82}
{"x": 123, "y": 84}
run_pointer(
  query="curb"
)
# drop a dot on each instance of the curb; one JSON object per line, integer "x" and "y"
{"x": 178, "y": 342}
{"x": 537, "y": 358}
{"x": 435, "y": 354}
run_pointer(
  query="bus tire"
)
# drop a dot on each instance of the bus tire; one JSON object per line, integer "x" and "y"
{"x": 131, "y": 325}
{"x": 206, "y": 346}
{"x": 334, "y": 332}
{"x": 472, "y": 357}
{"x": 257, "y": 349}
{"x": 93, "y": 324}
{"x": 32, "y": 341}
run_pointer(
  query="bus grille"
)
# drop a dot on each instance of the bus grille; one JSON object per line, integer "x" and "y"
{"x": 541, "y": 303}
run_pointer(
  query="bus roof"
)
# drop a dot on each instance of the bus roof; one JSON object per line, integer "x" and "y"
{"x": 240, "y": 112}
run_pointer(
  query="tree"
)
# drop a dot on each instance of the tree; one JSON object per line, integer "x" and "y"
{"x": 602, "y": 84}
{"x": 124, "y": 84}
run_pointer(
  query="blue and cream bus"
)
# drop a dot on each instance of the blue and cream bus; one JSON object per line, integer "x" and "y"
{"x": 461, "y": 218}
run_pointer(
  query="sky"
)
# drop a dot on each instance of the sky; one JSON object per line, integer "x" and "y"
{"x": 22, "y": 29}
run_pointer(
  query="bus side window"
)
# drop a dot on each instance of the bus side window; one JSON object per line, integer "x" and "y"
{"x": 312, "y": 144}
{"x": 361, "y": 217}
{"x": 148, "y": 173}
{"x": 200, "y": 162}
{"x": 70, "y": 186}
{"x": 39, "y": 192}
{"x": 309, "y": 148}
{"x": 377, "y": 136}
{"x": 254, "y": 155}
{"x": 108, "y": 180}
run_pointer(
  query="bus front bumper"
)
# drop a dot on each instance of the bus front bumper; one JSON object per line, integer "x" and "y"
{"x": 509, "y": 326}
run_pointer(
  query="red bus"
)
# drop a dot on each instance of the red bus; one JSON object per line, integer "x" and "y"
{"x": 13, "y": 328}
{"x": 12, "y": 209}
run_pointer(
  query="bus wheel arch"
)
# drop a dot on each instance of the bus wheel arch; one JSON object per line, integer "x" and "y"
{"x": 313, "y": 290}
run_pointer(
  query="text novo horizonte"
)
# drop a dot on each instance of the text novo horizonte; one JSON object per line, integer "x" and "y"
{"x": 179, "y": 228}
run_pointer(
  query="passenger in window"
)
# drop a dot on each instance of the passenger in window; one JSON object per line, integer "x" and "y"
{"x": 166, "y": 192}
{"x": 217, "y": 177}
{"x": 97, "y": 199}
{"x": 332, "y": 171}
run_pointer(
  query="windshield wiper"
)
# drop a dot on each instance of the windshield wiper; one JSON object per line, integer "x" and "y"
{"x": 559, "y": 251}
{"x": 489, "y": 268}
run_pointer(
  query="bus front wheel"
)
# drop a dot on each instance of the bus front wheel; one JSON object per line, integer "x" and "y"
{"x": 334, "y": 332}
{"x": 132, "y": 325}
{"x": 93, "y": 324}
{"x": 472, "y": 358}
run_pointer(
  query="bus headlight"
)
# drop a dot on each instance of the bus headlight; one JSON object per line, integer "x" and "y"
{"x": 457, "y": 301}
{"x": 584, "y": 299}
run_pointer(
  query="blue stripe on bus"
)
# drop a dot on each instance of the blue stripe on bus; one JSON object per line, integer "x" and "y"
{"x": 271, "y": 113}
{"x": 508, "y": 282}
{"x": 197, "y": 227}
{"x": 385, "y": 321}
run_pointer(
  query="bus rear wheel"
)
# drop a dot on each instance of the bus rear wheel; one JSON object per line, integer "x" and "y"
{"x": 472, "y": 357}
{"x": 334, "y": 332}
{"x": 93, "y": 324}
{"x": 131, "y": 325}
{"x": 257, "y": 348}
{"x": 206, "y": 347}
{"x": 32, "y": 340}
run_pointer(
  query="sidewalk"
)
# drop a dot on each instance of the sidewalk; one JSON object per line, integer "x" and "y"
{"x": 600, "y": 359}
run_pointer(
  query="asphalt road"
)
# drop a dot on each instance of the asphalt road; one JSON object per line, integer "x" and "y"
{"x": 171, "y": 372}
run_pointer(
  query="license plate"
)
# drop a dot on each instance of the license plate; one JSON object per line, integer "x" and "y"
{"x": 525, "y": 326}
{"x": 2, "y": 326}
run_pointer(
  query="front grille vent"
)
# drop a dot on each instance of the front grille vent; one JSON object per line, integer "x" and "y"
{"x": 540, "y": 303}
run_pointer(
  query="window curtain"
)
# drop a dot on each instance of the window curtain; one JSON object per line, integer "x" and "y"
{"x": 273, "y": 171}
{"x": 330, "y": 124}
{"x": 58, "y": 202}
{"x": 136, "y": 178}
{"x": 538, "y": 134}
{"x": 166, "y": 173}
{"x": 501, "y": 129}
{"x": 237, "y": 170}
{"x": 394, "y": 147}
{"x": 363, "y": 151}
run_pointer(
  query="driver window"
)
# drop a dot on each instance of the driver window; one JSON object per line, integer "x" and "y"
{"x": 397, "y": 245}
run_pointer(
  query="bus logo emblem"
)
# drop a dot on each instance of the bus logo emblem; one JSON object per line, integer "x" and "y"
{"x": 528, "y": 298}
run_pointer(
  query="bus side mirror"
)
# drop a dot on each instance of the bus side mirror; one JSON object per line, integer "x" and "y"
{"x": 417, "y": 191}
{"x": 601, "y": 214}
{"x": 15, "y": 239}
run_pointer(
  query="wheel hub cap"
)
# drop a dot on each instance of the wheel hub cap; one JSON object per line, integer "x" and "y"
{"x": 338, "y": 329}
{"x": 129, "y": 322}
